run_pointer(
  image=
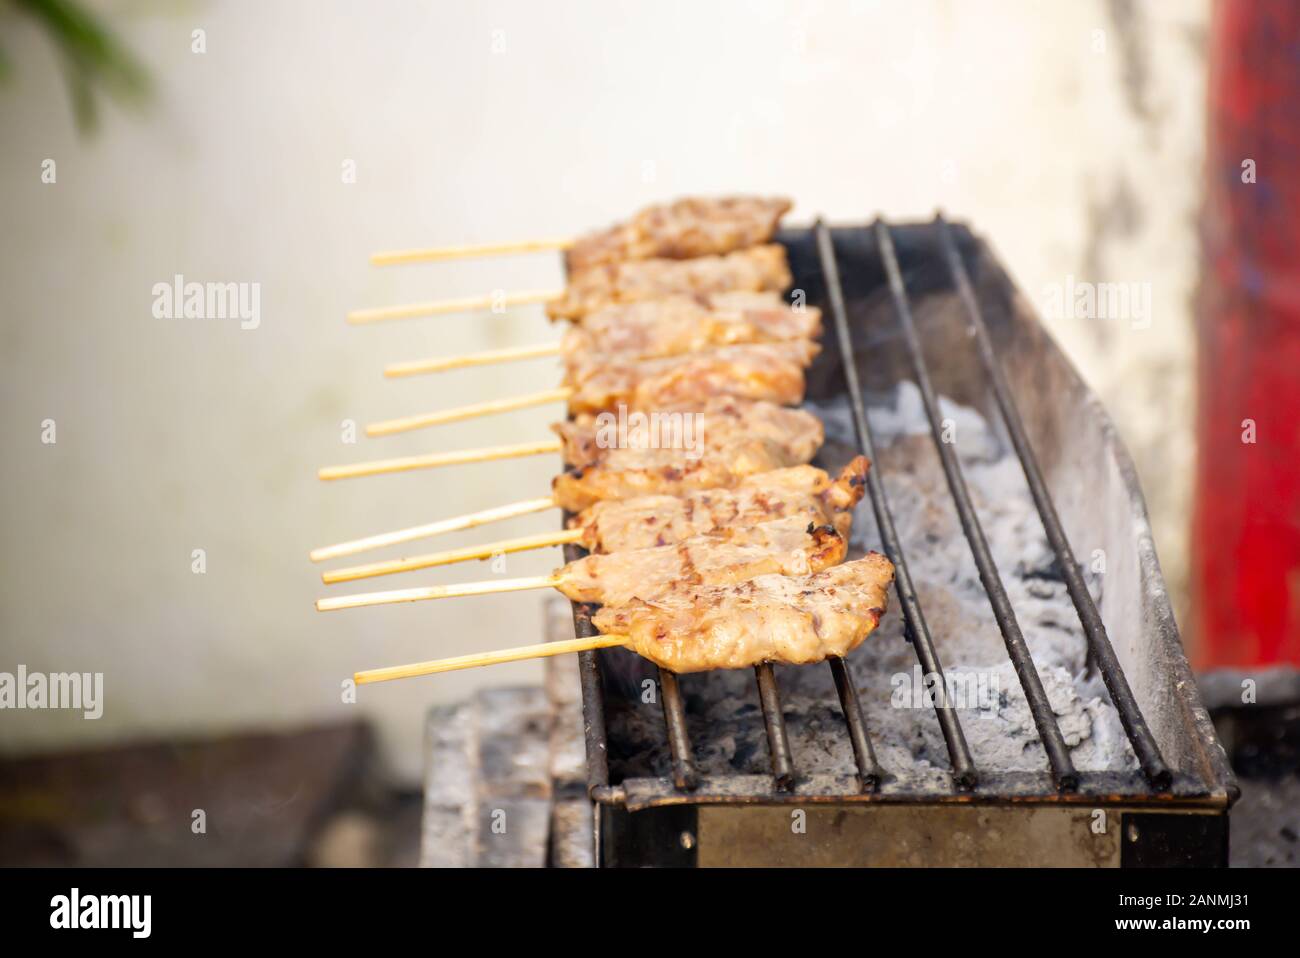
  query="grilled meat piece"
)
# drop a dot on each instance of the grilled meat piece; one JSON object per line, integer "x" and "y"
{"x": 755, "y": 270}
{"x": 771, "y": 618}
{"x": 803, "y": 493}
{"x": 723, "y": 420}
{"x": 682, "y": 324}
{"x": 674, "y": 453}
{"x": 767, "y": 371}
{"x": 782, "y": 547}
{"x": 690, "y": 227}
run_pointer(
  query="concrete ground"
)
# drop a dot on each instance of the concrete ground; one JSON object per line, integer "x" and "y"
{"x": 312, "y": 797}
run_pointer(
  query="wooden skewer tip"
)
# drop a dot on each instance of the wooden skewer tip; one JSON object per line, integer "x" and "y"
{"x": 487, "y": 587}
{"x": 456, "y": 663}
{"x": 450, "y": 556}
{"x": 460, "y": 413}
{"x": 465, "y": 304}
{"x": 488, "y": 357}
{"x": 433, "y": 254}
{"x": 436, "y": 459}
{"x": 470, "y": 520}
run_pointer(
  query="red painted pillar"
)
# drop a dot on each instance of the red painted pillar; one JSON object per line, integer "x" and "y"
{"x": 1246, "y": 525}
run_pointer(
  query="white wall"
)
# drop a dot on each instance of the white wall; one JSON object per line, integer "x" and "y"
{"x": 1075, "y": 152}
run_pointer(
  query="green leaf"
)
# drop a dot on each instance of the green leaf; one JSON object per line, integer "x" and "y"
{"x": 94, "y": 60}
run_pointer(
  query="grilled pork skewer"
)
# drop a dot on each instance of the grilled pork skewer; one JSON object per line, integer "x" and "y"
{"x": 802, "y": 494}
{"x": 652, "y": 329}
{"x": 686, "y": 229}
{"x": 773, "y": 372}
{"x": 780, "y": 547}
{"x": 772, "y": 618}
{"x": 716, "y": 445}
{"x": 682, "y": 324}
{"x": 783, "y": 547}
{"x": 717, "y": 424}
{"x": 754, "y": 270}
{"x": 733, "y": 440}
{"x": 692, "y": 226}
{"x": 804, "y": 491}
{"x": 798, "y": 620}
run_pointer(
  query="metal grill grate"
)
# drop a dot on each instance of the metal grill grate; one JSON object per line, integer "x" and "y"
{"x": 686, "y": 782}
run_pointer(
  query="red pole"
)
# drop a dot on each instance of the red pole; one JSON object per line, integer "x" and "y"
{"x": 1246, "y": 524}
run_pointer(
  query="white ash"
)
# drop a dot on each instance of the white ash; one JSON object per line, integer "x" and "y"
{"x": 726, "y": 724}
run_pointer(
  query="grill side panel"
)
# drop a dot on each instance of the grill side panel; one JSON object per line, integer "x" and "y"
{"x": 1095, "y": 486}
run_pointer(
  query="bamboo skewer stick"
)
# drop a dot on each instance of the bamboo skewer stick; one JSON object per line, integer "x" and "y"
{"x": 405, "y": 424}
{"x": 433, "y": 254}
{"x": 487, "y": 587}
{"x": 464, "y": 304}
{"x": 541, "y": 650}
{"x": 435, "y": 459}
{"x": 449, "y": 556}
{"x": 454, "y": 524}
{"x": 486, "y": 358}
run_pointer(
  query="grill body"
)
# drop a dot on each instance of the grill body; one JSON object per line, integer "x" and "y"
{"x": 1173, "y": 811}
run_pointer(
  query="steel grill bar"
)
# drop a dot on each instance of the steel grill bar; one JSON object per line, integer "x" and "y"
{"x": 593, "y": 698}
{"x": 1135, "y": 725}
{"x": 869, "y": 772}
{"x": 963, "y": 766}
{"x": 594, "y": 725}
{"x": 1058, "y": 754}
{"x": 679, "y": 743}
{"x": 777, "y": 742}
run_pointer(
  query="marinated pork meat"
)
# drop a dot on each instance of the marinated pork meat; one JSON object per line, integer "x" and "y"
{"x": 716, "y": 423}
{"x": 773, "y": 372}
{"x": 804, "y": 493}
{"x": 676, "y": 452}
{"x": 772, "y": 618}
{"x": 691, "y": 227}
{"x": 782, "y": 547}
{"x": 682, "y": 324}
{"x": 754, "y": 270}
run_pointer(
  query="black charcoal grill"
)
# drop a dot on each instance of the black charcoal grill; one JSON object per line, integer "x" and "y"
{"x": 1170, "y": 810}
